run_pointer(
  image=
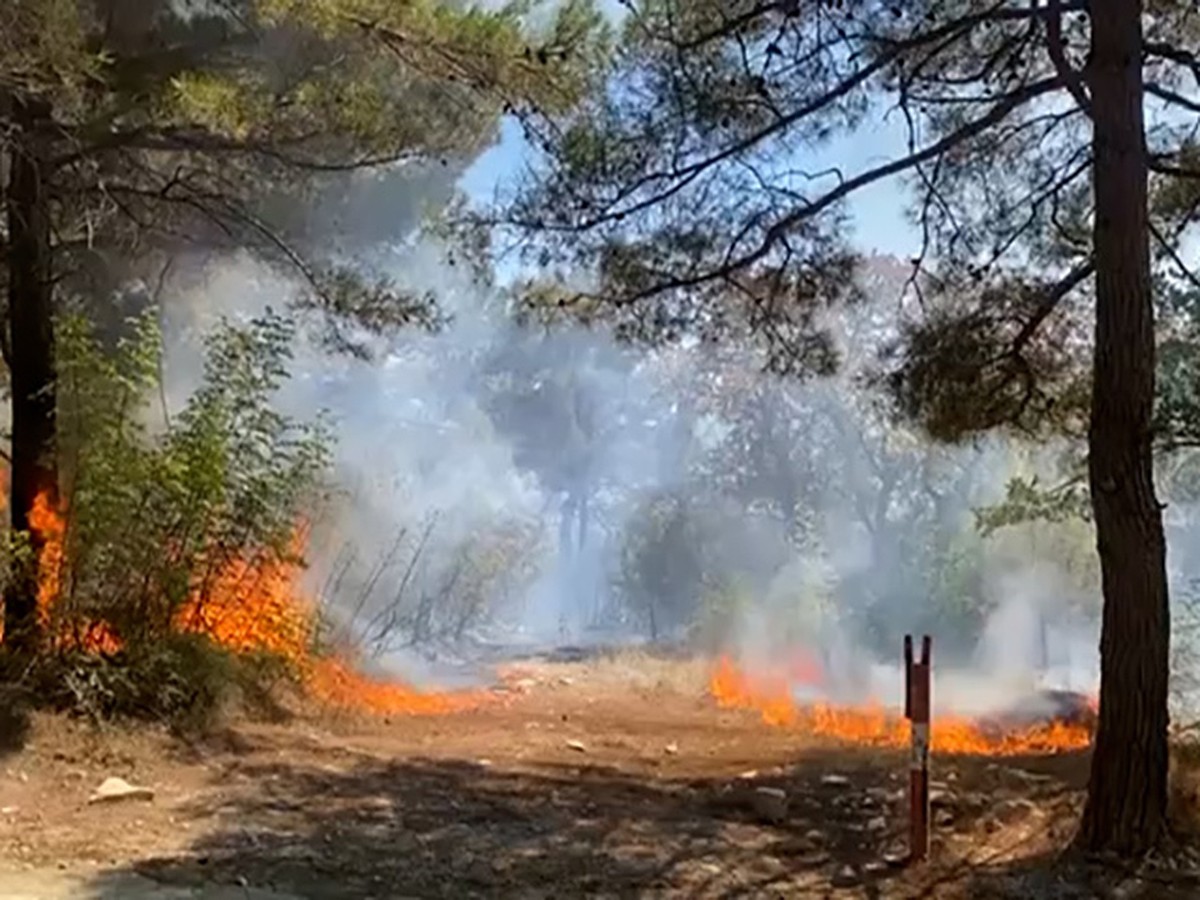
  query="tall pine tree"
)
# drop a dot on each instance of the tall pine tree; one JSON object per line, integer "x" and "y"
{"x": 1048, "y": 200}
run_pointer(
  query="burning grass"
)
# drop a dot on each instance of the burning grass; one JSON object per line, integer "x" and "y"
{"x": 770, "y": 694}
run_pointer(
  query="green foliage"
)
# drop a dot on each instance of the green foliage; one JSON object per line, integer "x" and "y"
{"x": 661, "y": 574}
{"x": 185, "y": 681}
{"x": 44, "y": 47}
{"x": 181, "y": 122}
{"x": 150, "y": 520}
{"x": 1027, "y": 501}
{"x": 956, "y": 607}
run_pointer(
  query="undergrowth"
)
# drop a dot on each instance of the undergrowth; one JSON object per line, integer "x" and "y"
{"x": 151, "y": 518}
{"x": 185, "y": 681}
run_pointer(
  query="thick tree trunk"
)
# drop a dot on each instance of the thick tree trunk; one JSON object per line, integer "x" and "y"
{"x": 31, "y": 354}
{"x": 1127, "y": 792}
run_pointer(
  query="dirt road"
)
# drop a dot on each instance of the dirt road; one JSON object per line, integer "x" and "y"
{"x": 618, "y": 779}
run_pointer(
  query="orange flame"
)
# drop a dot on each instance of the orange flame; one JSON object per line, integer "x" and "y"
{"x": 49, "y": 525}
{"x": 246, "y": 606}
{"x": 873, "y": 725}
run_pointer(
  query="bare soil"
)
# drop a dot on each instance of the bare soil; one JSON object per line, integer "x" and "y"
{"x": 615, "y": 778}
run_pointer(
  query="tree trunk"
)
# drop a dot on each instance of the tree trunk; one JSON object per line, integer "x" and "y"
{"x": 582, "y": 512}
{"x": 31, "y": 355}
{"x": 1127, "y": 792}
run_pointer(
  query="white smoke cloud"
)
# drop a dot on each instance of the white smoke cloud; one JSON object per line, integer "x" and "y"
{"x": 415, "y": 441}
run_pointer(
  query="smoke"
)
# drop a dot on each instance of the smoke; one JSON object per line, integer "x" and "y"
{"x": 485, "y": 439}
{"x": 499, "y": 485}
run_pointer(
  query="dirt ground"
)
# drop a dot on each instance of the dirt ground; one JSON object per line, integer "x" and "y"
{"x": 615, "y": 778}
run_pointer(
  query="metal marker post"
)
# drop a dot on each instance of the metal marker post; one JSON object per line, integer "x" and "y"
{"x": 917, "y": 707}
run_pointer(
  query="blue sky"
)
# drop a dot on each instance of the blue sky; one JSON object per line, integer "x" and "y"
{"x": 877, "y": 212}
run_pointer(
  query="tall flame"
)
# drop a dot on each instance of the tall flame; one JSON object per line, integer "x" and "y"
{"x": 872, "y": 724}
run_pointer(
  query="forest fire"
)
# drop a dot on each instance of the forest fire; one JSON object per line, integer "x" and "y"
{"x": 875, "y": 725}
{"x": 247, "y": 606}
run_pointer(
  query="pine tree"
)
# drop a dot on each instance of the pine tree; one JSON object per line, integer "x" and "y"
{"x": 129, "y": 126}
{"x": 1050, "y": 204}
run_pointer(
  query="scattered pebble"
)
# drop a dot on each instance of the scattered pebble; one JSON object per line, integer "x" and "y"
{"x": 770, "y": 804}
{"x": 845, "y": 877}
{"x": 113, "y": 790}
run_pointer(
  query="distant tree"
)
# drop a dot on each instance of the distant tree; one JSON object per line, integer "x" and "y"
{"x": 680, "y": 187}
{"x": 128, "y": 126}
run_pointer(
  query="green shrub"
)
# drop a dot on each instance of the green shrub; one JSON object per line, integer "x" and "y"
{"x": 150, "y": 520}
{"x": 185, "y": 681}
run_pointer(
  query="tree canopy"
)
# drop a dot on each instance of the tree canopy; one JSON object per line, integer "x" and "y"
{"x": 167, "y": 122}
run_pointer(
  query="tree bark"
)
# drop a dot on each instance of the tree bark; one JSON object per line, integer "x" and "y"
{"x": 31, "y": 355}
{"x": 1127, "y": 792}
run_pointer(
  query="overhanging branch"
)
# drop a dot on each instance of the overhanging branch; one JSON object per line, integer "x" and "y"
{"x": 1054, "y": 45}
{"x": 1004, "y": 106}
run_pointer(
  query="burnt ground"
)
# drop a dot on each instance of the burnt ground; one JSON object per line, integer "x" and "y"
{"x": 612, "y": 778}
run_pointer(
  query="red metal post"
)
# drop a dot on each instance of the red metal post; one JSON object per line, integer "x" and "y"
{"x": 917, "y": 708}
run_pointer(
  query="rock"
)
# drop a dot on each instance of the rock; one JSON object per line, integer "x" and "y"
{"x": 943, "y": 818}
{"x": 1012, "y": 811}
{"x": 815, "y": 835}
{"x": 845, "y": 877}
{"x": 973, "y": 802}
{"x": 115, "y": 790}
{"x": 879, "y": 823}
{"x": 1128, "y": 889}
{"x": 833, "y": 780}
{"x": 940, "y": 798}
{"x": 749, "y": 774}
{"x": 812, "y": 859}
{"x": 671, "y": 749}
{"x": 770, "y": 804}
{"x": 577, "y": 746}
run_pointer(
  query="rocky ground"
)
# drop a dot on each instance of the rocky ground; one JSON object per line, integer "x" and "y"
{"x": 602, "y": 779}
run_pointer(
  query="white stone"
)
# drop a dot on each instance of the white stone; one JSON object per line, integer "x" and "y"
{"x": 113, "y": 790}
